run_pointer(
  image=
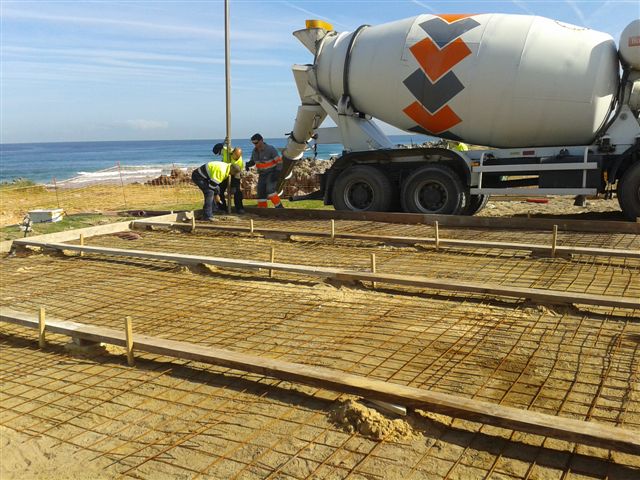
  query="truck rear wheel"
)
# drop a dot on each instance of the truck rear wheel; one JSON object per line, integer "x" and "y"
{"x": 434, "y": 189}
{"x": 363, "y": 188}
{"x": 475, "y": 203}
{"x": 629, "y": 192}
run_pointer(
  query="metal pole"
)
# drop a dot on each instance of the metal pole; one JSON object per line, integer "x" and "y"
{"x": 227, "y": 77}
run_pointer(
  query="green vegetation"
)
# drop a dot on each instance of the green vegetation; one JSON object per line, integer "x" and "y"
{"x": 69, "y": 222}
{"x": 303, "y": 204}
{"x": 17, "y": 183}
{"x": 22, "y": 183}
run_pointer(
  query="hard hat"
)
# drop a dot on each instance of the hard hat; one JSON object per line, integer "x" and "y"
{"x": 217, "y": 148}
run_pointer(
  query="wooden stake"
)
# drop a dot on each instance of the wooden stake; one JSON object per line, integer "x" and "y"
{"x": 333, "y": 230}
{"x": 273, "y": 258}
{"x": 373, "y": 268}
{"x": 554, "y": 241}
{"x": 251, "y": 226}
{"x": 435, "y": 224}
{"x": 129, "y": 339}
{"x": 55, "y": 188}
{"x": 193, "y": 221}
{"x": 124, "y": 196}
{"x": 41, "y": 326}
{"x": 82, "y": 243}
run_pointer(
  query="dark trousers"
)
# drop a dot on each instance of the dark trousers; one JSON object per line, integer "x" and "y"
{"x": 235, "y": 189}
{"x": 208, "y": 190}
{"x": 268, "y": 181}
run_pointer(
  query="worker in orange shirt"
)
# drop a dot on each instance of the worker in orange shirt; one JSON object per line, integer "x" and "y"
{"x": 269, "y": 164}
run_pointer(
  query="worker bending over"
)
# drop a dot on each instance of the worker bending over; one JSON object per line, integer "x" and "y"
{"x": 269, "y": 164}
{"x": 208, "y": 178}
{"x": 236, "y": 190}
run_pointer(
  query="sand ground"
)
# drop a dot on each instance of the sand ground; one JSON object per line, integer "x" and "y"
{"x": 67, "y": 415}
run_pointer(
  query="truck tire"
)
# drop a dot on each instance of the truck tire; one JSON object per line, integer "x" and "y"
{"x": 363, "y": 188}
{"x": 434, "y": 189}
{"x": 629, "y": 192}
{"x": 475, "y": 203}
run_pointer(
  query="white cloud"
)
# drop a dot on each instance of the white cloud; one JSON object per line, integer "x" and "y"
{"x": 141, "y": 27}
{"x": 576, "y": 9}
{"x": 315, "y": 16}
{"x": 425, "y": 6}
{"x": 105, "y": 56}
{"x": 523, "y": 5}
{"x": 184, "y": 30}
{"x": 141, "y": 124}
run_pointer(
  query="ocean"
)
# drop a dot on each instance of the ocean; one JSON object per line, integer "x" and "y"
{"x": 84, "y": 163}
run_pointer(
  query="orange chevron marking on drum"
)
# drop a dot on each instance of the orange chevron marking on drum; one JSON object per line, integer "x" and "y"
{"x": 442, "y": 120}
{"x": 454, "y": 17}
{"x": 436, "y": 62}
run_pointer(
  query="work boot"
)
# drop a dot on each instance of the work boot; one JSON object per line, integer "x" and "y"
{"x": 279, "y": 206}
{"x": 240, "y": 211}
{"x": 580, "y": 201}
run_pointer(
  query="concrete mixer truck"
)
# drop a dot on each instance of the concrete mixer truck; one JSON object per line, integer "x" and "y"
{"x": 557, "y": 104}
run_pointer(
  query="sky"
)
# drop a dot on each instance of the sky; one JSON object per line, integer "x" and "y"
{"x": 154, "y": 70}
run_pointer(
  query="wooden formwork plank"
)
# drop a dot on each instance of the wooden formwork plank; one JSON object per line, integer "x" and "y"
{"x": 68, "y": 235}
{"x": 509, "y": 223}
{"x": 588, "y": 433}
{"x": 87, "y": 232}
{"x": 606, "y": 252}
{"x": 550, "y": 296}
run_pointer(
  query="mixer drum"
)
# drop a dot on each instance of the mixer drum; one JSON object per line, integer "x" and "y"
{"x": 492, "y": 79}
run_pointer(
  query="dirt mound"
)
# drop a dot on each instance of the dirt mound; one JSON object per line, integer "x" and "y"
{"x": 176, "y": 177}
{"x": 305, "y": 179}
{"x": 355, "y": 417}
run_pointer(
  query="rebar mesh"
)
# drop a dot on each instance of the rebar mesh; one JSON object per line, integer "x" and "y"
{"x": 168, "y": 418}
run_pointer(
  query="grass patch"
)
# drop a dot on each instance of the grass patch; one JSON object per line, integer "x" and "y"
{"x": 17, "y": 183}
{"x": 82, "y": 220}
{"x": 69, "y": 222}
{"x": 303, "y": 204}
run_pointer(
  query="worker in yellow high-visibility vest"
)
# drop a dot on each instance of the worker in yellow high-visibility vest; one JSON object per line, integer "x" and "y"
{"x": 236, "y": 190}
{"x": 208, "y": 178}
